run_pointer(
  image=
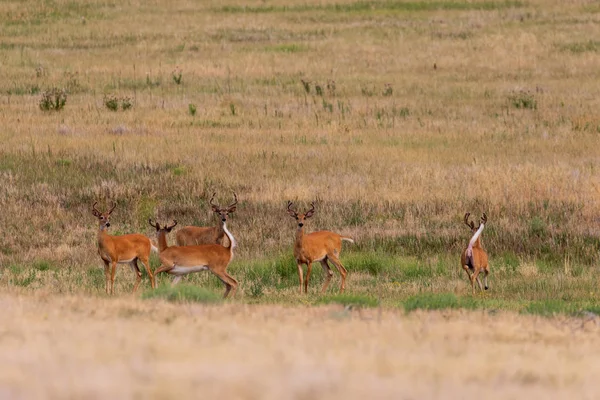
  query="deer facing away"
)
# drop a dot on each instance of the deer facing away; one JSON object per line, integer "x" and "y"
{"x": 321, "y": 246}
{"x": 194, "y": 235}
{"x": 474, "y": 259}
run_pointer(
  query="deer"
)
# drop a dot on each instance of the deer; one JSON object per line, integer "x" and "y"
{"x": 474, "y": 259}
{"x": 123, "y": 249}
{"x": 194, "y": 235}
{"x": 321, "y": 246}
{"x": 183, "y": 260}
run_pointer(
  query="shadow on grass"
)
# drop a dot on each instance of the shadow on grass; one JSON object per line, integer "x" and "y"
{"x": 183, "y": 293}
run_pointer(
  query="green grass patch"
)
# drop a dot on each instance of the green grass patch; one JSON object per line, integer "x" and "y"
{"x": 183, "y": 293}
{"x": 344, "y": 299}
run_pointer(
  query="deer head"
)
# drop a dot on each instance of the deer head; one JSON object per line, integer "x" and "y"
{"x": 300, "y": 217}
{"x": 471, "y": 224}
{"x": 166, "y": 228}
{"x": 103, "y": 218}
{"x": 224, "y": 212}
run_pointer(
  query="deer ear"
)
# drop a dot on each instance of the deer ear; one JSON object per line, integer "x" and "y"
{"x": 215, "y": 208}
{"x": 292, "y": 213}
{"x": 232, "y": 209}
{"x": 309, "y": 214}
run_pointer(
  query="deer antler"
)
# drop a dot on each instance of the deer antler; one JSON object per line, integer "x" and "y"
{"x": 172, "y": 226}
{"x": 112, "y": 208}
{"x": 234, "y": 203}
{"x": 469, "y": 224}
{"x": 211, "y": 200}
{"x": 95, "y": 210}
{"x": 290, "y": 210}
{"x": 483, "y": 219}
{"x": 156, "y": 226}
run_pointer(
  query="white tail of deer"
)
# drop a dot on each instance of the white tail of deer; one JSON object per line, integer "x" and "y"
{"x": 183, "y": 260}
{"x": 474, "y": 259}
{"x": 321, "y": 246}
{"x": 194, "y": 235}
{"x": 124, "y": 249}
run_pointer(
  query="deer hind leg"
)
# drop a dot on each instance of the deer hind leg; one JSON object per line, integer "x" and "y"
{"x": 328, "y": 274}
{"x": 343, "y": 271}
{"x": 228, "y": 281}
{"x": 146, "y": 263}
{"x": 486, "y": 272}
{"x": 308, "y": 271}
{"x": 138, "y": 274}
{"x": 300, "y": 273}
{"x": 475, "y": 277}
{"x": 233, "y": 282}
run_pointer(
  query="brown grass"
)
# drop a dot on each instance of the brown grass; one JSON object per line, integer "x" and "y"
{"x": 73, "y": 346}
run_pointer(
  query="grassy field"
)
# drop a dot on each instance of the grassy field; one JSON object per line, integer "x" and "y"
{"x": 395, "y": 117}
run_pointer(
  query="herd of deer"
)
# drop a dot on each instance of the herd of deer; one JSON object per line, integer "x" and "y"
{"x": 211, "y": 248}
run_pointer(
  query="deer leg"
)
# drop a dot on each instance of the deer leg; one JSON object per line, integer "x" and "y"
{"x": 228, "y": 281}
{"x": 234, "y": 283}
{"x": 146, "y": 263}
{"x": 300, "y": 276}
{"x": 138, "y": 274}
{"x": 106, "y": 276}
{"x": 485, "y": 275}
{"x": 113, "y": 271}
{"x": 308, "y": 270}
{"x": 343, "y": 272}
{"x": 328, "y": 274}
{"x": 475, "y": 277}
{"x": 176, "y": 280}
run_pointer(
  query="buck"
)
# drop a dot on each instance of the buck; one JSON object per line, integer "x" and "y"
{"x": 474, "y": 259}
{"x": 194, "y": 235}
{"x": 322, "y": 246}
{"x": 124, "y": 249}
{"x": 183, "y": 260}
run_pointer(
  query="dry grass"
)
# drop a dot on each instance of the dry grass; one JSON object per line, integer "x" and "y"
{"x": 393, "y": 150}
{"x": 78, "y": 346}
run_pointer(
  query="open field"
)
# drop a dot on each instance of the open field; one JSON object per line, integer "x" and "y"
{"x": 396, "y": 117}
{"x": 82, "y": 347}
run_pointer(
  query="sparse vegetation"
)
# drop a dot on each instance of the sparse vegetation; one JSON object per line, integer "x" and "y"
{"x": 53, "y": 99}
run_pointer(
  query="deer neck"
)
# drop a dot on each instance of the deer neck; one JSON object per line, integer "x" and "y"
{"x": 103, "y": 236}
{"x": 232, "y": 242}
{"x": 300, "y": 236}
{"x": 162, "y": 241}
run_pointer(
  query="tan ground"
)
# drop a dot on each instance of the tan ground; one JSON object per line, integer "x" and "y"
{"x": 80, "y": 347}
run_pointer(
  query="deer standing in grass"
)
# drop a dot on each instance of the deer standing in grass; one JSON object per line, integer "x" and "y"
{"x": 124, "y": 249}
{"x": 319, "y": 246}
{"x": 183, "y": 260}
{"x": 474, "y": 259}
{"x": 194, "y": 235}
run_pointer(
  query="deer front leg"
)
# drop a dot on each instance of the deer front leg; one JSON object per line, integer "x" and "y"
{"x": 308, "y": 270}
{"x": 300, "y": 275}
{"x": 106, "y": 276}
{"x": 113, "y": 272}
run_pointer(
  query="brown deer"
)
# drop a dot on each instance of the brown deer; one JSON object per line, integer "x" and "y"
{"x": 183, "y": 260}
{"x": 474, "y": 259}
{"x": 194, "y": 235}
{"x": 124, "y": 249}
{"x": 319, "y": 246}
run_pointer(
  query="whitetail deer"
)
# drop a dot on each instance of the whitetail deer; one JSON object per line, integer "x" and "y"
{"x": 183, "y": 260}
{"x": 124, "y": 249}
{"x": 319, "y": 246}
{"x": 194, "y": 235}
{"x": 474, "y": 259}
